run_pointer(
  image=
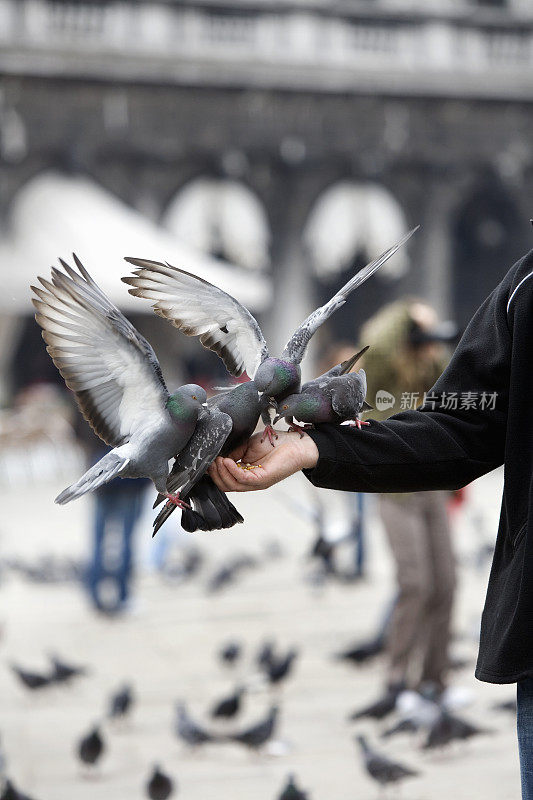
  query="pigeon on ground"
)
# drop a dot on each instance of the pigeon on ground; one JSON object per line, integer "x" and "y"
{"x": 229, "y": 706}
{"x": 448, "y": 728}
{"x": 117, "y": 380}
{"x": 230, "y": 653}
{"x": 91, "y": 747}
{"x": 259, "y": 734}
{"x": 31, "y": 680}
{"x": 291, "y": 791}
{"x": 335, "y": 397}
{"x": 120, "y": 703}
{"x": 506, "y": 705}
{"x": 380, "y": 708}
{"x": 189, "y": 731}
{"x": 229, "y": 421}
{"x": 63, "y": 672}
{"x": 416, "y": 713}
{"x": 10, "y": 792}
{"x": 362, "y": 652}
{"x": 381, "y": 768}
{"x": 279, "y": 669}
{"x": 265, "y": 655}
{"x": 160, "y": 786}
{"x": 224, "y": 325}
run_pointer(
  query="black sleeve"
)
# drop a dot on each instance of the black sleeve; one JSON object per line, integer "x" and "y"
{"x": 437, "y": 446}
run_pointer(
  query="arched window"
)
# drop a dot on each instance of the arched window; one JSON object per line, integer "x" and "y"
{"x": 350, "y": 221}
{"x": 223, "y": 218}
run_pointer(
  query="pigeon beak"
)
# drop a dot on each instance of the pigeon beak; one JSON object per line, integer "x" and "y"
{"x": 204, "y": 405}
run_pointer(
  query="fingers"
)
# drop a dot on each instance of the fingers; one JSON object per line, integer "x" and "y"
{"x": 231, "y": 478}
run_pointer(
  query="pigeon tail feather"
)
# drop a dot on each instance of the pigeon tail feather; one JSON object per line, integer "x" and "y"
{"x": 109, "y": 467}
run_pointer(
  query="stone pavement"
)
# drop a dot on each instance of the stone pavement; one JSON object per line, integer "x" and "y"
{"x": 167, "y": 649}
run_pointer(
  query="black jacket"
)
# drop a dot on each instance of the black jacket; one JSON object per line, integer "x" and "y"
{"x": 442, "y": 447}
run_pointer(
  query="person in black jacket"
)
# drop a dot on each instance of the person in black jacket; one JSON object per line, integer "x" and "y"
{"x": 478, "y": 416}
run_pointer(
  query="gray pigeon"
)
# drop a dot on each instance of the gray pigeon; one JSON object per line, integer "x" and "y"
{"x": 230, "y": 420}
{"x": 224, "y": 325}
{"x": 259, "y": 734}
{"x": 160, "y": 786}
{"x": 336, "y": 396}
{"x": 117, "y": 380}
{"x": 291, "y": 791}
{"x": 381, "y": 768}
{"x": 448, "y": 728}
{"x": 189, "y": 731}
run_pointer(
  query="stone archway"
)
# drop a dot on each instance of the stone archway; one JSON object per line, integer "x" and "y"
{"x": 222, "y": 217}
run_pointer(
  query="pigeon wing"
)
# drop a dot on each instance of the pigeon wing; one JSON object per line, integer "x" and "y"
{"x": 198, "y": 308}
{"x": 203, "y": 447}
{"x": 296, "y": 346}
{"x": 110, "y": 367}
{"x": 348, "y": 394}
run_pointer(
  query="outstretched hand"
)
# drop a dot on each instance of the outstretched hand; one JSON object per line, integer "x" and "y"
{"x": 270, "y": 464}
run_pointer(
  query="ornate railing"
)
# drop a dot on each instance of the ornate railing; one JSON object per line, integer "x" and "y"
{"x": 291, "y": 46}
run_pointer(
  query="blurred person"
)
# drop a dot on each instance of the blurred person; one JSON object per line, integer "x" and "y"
{"x": 405, "y": 358}
{"x": 477, "y": 417}
{"x": 116, "y": 508}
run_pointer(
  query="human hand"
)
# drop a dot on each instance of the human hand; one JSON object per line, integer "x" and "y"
{"x": 290, "y": 454}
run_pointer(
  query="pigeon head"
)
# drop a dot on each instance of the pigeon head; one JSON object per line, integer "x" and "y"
{"x": 303, "y": 407}
{"x": 274, "y": 376}
{"x": 186, "y": 403}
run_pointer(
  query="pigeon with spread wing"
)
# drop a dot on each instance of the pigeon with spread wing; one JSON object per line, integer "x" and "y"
{"x": 225, "y": 326}
{"x": 117, "y": 381}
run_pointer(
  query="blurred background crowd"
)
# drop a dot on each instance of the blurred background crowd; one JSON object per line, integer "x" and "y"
{"x": 272, "y": 147}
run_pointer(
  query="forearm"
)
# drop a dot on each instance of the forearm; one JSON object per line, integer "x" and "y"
{"x": 414, "y": 451}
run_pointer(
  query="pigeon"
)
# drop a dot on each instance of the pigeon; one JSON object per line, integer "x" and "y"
{"x": 91, "y": 748}
{"x": 448, "y": 728}
{"x": 380, "y": 708}
{"x": 291, "y": 791}
{"x": 160, "y": 786}
{"x": 416, "y": 713}
{"x": 189, "y": 731}
{"x": 10, "y": 792}
{"x": 121, "y": 702}
{"x": 230, "y": 653}
{"x": 506, "y": 705}
{"x": 335, "y": 397}
{"x": 266, "y": 655}
{"x": 259, "y": 734}
{"x": 31, "y": 680}
{"x": 381, "y": 768}
{"x": 228, "y": 707}
{"x": 63, "y": 672}
{"x": 279, "y": 669}
{"x": 224, "y": 325}
{"x": 362, "y": 652}
{"x": 117, "y": 380}
{"x": 230, "y": 420}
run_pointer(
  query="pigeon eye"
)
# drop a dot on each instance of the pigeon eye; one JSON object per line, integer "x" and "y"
{"x": 285, "y": 407}
{"x": 194, "y": 397}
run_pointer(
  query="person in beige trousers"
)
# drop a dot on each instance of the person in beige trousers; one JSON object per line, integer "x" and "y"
{"x": 405, "y": 358}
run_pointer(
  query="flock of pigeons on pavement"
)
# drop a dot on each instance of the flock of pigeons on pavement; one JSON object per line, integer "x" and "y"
{"x": 116, "y": 378}
{"x": 429, "y": 722}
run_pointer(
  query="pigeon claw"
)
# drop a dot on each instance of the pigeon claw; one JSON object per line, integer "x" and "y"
{"x": 270, "y": 434}
{"x": 174, "y": 499}
{"x": 358, "y": 423}
{"x": 295, "y": 428}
